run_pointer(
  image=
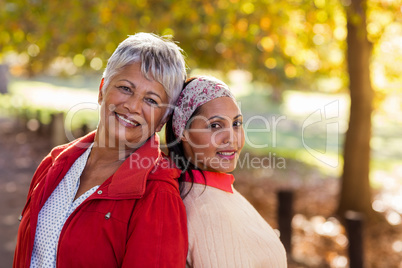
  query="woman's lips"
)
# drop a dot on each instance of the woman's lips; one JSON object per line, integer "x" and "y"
{"x": 125, "y": 121}
{"x": 227, "y": 154}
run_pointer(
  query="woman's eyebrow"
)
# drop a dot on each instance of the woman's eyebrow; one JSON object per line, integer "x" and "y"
{"x": 222, "y": 118}
{"x": 128, "y": 81}
{"x": 154, "y": 93}
{"x": 216, "y": 117}
{"x": 237, "y": 116}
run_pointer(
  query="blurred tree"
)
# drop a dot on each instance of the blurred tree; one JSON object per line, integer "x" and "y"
{"x": 284, "y": 43}
{"x": 355, "y": 193}
{"x": 363, "y": 32}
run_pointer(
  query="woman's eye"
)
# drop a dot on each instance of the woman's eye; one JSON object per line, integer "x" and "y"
{"x": 151, "y": 101}
{"x": 214, "y": 125}
{"x": 124, "y": 88}
{"x": 238, "y": 123}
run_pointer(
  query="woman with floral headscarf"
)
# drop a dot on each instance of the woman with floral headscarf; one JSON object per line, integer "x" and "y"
{"x": 205, "y": 136}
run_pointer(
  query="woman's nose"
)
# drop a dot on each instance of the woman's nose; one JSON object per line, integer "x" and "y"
{"x": 229, "y": 136}
{"x": 133, "y": 104}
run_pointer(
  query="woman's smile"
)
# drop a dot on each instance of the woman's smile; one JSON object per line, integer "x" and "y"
{"x": 227, "y": 154}
{"x": 126, "y": 121}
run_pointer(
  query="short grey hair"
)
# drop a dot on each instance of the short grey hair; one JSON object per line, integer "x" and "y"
{"x": 160, "y": 58}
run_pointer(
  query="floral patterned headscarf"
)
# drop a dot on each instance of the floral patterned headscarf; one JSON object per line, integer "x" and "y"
{"x": 198, "y": 92}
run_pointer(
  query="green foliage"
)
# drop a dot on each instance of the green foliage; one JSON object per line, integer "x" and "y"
{"x": 285, "y": 43}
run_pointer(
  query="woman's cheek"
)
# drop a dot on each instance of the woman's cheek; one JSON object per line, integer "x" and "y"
{"x": 241, "y": 139}
{"x": 206, "y": 142}
{"x": 216, "y": 140}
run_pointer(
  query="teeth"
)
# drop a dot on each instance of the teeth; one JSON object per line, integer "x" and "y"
{"x": 226, "y": 153}
{"x": 126, "y": 120}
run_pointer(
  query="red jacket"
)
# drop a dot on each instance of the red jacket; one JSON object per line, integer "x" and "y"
{"x": 136, "y": 218}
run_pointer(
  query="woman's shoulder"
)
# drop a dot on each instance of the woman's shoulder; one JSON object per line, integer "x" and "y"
{"x": 203, "y": 201}
{"x": 164, "y": 171}
{"x": 210, "y": 195}
{"x": 162, "y": 178}
{"x": 77, "y": 144}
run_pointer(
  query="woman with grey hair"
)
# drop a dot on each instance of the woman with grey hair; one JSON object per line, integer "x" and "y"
{"x": 111, "y": 198}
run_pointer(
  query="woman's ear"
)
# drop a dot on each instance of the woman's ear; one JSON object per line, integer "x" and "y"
{"x": 161, "y": 124}
{"x": 184, "y": 137}
{"x": 100, "y": 94}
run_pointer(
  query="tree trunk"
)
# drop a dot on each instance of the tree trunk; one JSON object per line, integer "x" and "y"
{"x": 3, "y": 79}
{"x": 356, "y": 192}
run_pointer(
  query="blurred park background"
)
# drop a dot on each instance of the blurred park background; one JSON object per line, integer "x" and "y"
{"x": 319, "y": 83}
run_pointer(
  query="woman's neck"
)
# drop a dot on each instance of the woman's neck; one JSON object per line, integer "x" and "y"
{"x": 104, "y": 153}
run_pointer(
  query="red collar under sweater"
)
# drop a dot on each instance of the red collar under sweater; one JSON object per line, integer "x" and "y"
{"x": 221, "y": 181}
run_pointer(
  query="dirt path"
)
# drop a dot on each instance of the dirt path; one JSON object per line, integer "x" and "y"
{"x": 20, "y": 153}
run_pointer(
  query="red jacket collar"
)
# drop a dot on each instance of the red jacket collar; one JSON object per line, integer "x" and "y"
{"x": 140, "y": 163}
{"x": 129, "y": 181}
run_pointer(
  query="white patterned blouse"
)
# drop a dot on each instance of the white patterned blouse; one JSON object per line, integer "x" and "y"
{"x": 55, "y": 212}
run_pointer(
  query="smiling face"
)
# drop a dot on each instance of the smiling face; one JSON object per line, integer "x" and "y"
{"x": 132, "y": 108}
{"x": 216, "y": 136}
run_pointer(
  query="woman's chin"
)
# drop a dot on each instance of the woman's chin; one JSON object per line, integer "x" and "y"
{"x": 222, "y": 169}
{"x": 131, "y": 141}
{"x": 120, "y": 138}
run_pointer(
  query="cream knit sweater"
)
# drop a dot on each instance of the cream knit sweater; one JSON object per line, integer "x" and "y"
{"x": 225, "y": 231}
